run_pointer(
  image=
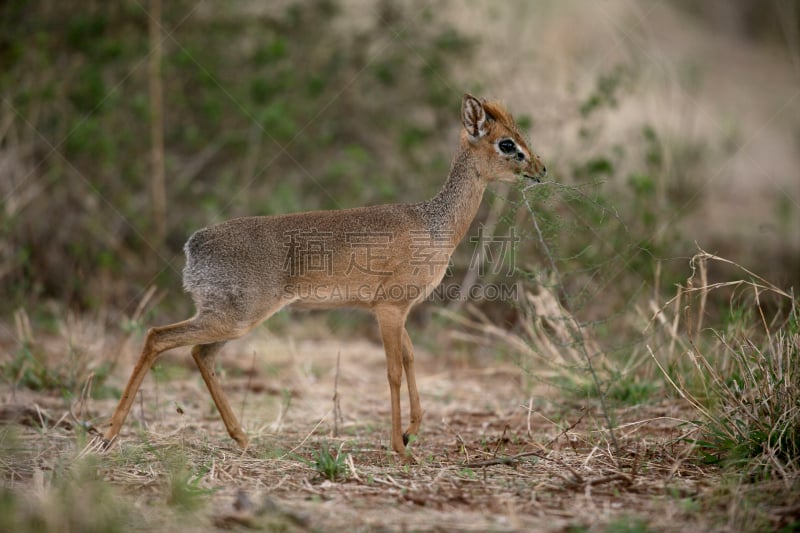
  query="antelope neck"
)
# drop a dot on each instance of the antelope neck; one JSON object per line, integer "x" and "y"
{"x": 452, "y": 209}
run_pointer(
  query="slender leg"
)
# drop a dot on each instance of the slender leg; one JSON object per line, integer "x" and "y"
{"x": 204, "y": 355}
{"x": 391, "y": 325}
{"x": 158, "y": 340}
{"x": 411, "y": 381}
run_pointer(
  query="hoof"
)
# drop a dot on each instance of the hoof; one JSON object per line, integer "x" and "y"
{"x": 242, "y": 441}
{"x": 101, "y": 444}
{"x": 406, "y": 439}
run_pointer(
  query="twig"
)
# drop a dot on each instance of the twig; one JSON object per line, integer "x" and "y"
{"x": 566, "y": 430}
{"x": 352, "y": 466}
{"x": 475, "y": 267}
{"x": 500, "y": 440}
{"x": 576, "y": 481}
{"x": 463, "y": 446}
{"x": 85, "y": 393}
{"x": 337, "y": 410}
{"x": 703, "y": 293}
{"x": 63, "y": 420}
{"x": 389, "y": 481}
{"x": 42, "y": 416}
{"x": 766, "y": 284}
{"x": 514, "y": 459}
{"x": 308, "y": 487}
{"x": 158, "y": 188}
{"x": 510, "y": 460}
{"x": 578, "y": 329}
{"x": 395, "y": 483}
{"x": 530, "y": 412}
{"x": 290, "y": 452}
{"x": 249, "y": 383}
{"x": 693, "y": 402}
{"x": 276, "y": 426}
{"x": 95, "y": 446}
{"x": 150, "y": 298}
{"x": 618, "y": 476}
{"x": 141, "y": 410}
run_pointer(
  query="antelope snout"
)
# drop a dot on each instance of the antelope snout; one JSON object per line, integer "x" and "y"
{"x": 536, "y": 170}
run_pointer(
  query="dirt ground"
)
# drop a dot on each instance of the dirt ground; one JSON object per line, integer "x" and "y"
{"x": 495, "y": 453}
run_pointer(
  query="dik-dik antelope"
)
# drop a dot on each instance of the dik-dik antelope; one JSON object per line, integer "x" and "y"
{"x": 384, "y": 258}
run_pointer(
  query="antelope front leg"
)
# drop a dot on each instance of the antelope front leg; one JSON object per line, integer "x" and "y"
{"x": 391, "y": 325}
{"x": 413, "y": 394}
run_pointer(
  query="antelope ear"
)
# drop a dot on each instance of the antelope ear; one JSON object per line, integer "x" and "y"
{"x": 473, "y": 116}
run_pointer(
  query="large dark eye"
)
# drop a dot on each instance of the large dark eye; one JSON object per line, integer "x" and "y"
{"x": 507, "y": 146}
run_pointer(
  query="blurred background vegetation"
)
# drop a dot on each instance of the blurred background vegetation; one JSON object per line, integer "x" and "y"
{"x": 263, "y": 112}
{"x": 239, "y": 108}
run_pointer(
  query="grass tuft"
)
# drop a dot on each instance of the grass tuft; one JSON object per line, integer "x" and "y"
{"x": 73, "y": 499}
{"x": 74, "y": 370}
{"x": 330, "y": 464}
{"x": 744, "y": 375}
{"x": 184, "y": 488}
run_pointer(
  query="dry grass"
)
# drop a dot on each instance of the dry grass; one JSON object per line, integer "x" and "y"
{"x": 505, "y": 446}
{"x": 494, "y": 453}
{"x": 742, "y": 376}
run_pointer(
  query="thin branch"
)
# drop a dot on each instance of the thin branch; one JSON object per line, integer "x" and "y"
{"x": 337, "y": 409}
{"x": 578, "y": 329}
{"x": 155, "y": 90}
{"x": 513, "y": 460}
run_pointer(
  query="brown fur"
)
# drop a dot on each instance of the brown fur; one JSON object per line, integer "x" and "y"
{"x": 498, "y": 112}
{"x": 242, "y": 271}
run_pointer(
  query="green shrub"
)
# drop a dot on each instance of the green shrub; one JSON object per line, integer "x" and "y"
{"x": 251, "y": 105}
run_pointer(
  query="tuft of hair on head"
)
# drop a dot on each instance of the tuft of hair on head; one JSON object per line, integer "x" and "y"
{"x": 499, "y": 113}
